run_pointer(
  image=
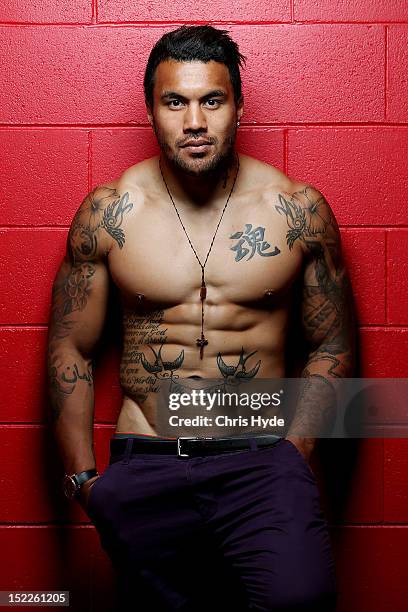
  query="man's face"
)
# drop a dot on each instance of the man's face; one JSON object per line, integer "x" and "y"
{"x": 193, "y": 102}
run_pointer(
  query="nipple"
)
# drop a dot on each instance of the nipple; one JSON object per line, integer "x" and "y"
{"x": 269, "y": 293}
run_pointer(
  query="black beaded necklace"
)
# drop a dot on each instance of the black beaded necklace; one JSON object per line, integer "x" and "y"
{"x": 202, "y": 341}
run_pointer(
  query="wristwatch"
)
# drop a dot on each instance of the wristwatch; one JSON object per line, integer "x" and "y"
{"x": 71, "y": 484}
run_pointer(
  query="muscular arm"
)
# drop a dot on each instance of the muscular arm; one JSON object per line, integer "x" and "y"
{"x": 79, "y": 301}
{"x": 327, "y": 311}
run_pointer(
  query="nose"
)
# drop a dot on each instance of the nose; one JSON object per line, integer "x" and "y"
{"x": 194, "y": 119}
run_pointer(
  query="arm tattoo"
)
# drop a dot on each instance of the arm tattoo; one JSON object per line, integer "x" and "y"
{"x": 113, "y": 217}
{"x": 70, "y": 294}
{"x": 62, "y": 382}
{"x": 327, "y": 304}
{"x": 102, "y": 209}
{"x": 306, "y": 216}
{"x": 316, "y": 406}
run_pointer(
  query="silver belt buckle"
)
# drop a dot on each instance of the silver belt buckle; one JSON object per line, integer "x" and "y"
{"x": 179, "y": 453}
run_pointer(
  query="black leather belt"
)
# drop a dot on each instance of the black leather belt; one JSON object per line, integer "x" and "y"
{"x": 185, "y": 446}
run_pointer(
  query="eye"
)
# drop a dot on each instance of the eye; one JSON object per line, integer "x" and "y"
{"x": 172, "y": 102}
{"x": 213, "y": 100}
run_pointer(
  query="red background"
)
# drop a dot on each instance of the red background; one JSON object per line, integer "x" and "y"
{"x": 326, "y": 100}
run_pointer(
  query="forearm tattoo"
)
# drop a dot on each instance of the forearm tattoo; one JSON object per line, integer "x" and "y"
{"x": 103, "y": 209}
{"x": 62, "y": 378}
{"x": 316, "y": 406}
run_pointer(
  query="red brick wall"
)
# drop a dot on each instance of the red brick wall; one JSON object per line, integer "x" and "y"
{"x": 326, "y": 94}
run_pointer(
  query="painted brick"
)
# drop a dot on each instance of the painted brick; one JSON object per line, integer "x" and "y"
{"x": 46, "y": 11}
{"x": 58, "y": 558}
{"x": 313, "y": 73}
{"x": 56, "y": 75}
{"x": 397, "y": 88}
{"x": 27, "y": 450}
{"x": 24, "y": 451}
{"x": 395, "y": 480}
{"x": 384, "y": 353}
{"x": 351, "y": 488}
{"x": 350, "y": 10}
{"x": 361, "y": 171}
{"x": 45, "y": 175}
{"x": 22, "y": 365}
{"x": 263, "y": 143}
{"x": 24, "y": 571}
{"x": 397, "y": 276}
{"x": 27, "y": 273}
{"x": 165, "y": 10}
{"x": 115, "y": 150}
{"x": 364, "y": 255}
{"x": 342, "y": 65}
{"x": 371, "y": 568}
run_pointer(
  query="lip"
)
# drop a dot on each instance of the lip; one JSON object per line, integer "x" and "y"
{"x": 196, "y": 144}
{"x": 197, "y": 148}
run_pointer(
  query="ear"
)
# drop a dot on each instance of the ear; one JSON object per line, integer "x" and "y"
{"x": 240, "y": 108}
{"x": 149, "y": 114}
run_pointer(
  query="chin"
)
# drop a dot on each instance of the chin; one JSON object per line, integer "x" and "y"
{"x": 199, "y": 166}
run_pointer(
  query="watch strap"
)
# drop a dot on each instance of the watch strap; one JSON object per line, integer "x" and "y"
{"x": 82, "y": 477}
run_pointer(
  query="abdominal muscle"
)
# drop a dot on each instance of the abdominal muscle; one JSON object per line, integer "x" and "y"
{"x": 171, "y": 353}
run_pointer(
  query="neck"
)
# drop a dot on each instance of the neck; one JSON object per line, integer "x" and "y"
{"x": 198, "y": 191}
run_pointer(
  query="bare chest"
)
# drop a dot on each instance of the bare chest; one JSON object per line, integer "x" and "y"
{"x": 249, "y": 257}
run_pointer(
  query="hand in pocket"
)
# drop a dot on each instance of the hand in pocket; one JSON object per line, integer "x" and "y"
{"x": 84, "y": 492}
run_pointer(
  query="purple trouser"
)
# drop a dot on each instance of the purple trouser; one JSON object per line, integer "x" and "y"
{"x": 236, "y": 531}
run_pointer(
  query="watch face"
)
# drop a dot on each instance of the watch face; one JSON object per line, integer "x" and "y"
{"x": 69, "y": 486}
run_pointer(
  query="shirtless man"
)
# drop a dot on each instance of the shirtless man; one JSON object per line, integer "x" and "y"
{"x": 149, "y": 231}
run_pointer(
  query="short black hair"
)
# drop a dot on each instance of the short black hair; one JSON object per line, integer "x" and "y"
{"x": 195, "y": 43}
